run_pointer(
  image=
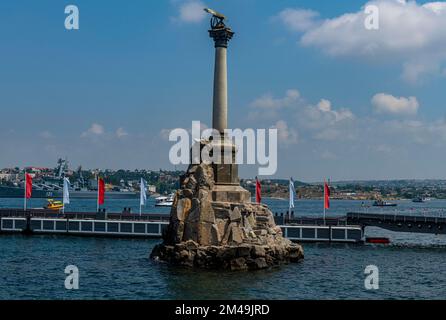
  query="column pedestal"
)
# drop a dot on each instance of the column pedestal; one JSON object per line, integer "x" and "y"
{"x": 227, "y": 183}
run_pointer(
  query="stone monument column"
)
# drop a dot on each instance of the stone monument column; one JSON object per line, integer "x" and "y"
{"x": 213, "y": 223}
{"x": 221, "y": 35}
{"x": 225, "y": 174}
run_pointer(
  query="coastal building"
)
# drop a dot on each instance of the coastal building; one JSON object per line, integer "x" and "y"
{"x": 9, "y": 177}
{"x": 93, "y": 184}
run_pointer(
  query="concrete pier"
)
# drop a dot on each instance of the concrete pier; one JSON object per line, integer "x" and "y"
{"x": 124, "y": 225}
{"x": 399, "y": 222}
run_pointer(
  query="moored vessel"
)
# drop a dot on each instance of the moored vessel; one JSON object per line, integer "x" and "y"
{"x": 381, "y": 203}
{"x": 54, "y": 205}
{"x": 44, "y": 193}
{"x": 50, "y": 186}
{"x": 164, "y": 201}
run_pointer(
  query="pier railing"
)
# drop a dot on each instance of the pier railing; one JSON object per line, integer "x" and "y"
{"x": 102, "y": 215}
{"x": 291, "y": 219}
{"x": 399, "y": 222}
{"x": 153, "y": 225}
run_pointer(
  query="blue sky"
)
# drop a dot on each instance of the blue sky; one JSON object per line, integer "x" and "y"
{"x": 349, "y": 103}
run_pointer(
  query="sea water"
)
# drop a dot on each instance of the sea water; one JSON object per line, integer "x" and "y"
{"x": 412, "y": 267}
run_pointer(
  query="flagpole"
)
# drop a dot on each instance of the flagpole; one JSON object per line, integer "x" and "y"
{"x": 324, "y": 202}
{"x": 63, "y": 197}
{"x": 97, "y": 202}
{"x": 289, "y": 200}
{"x": 24, "y": 204}
{"x": 141, "y": 190}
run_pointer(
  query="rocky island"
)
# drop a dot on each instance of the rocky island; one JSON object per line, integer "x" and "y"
{"x": 221, "y": 233}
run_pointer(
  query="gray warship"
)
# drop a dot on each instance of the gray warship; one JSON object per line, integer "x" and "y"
{"x": 52, "y": 187}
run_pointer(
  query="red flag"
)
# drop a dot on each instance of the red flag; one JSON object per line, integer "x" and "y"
{"x": 28, "y": 185}
{"x": 258, "y": 191}
{"x": 101, "y": 191}
{"x": 326, "y": 196}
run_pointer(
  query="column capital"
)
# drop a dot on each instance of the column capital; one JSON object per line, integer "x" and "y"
{"x": 221, "y": 36}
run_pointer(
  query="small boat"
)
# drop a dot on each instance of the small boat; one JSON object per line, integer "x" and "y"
{"x": 381, "y": 203}
{"x": 419, "y": 200}
{"x": 164, "y": 201}
{"x": 377, "y": 240}
{"x": 54, "y": 205}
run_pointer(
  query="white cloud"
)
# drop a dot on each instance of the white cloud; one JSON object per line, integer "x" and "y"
{"x": 267, "y": 106}
{"x": 164, "y": 133}
{"x": 329, "y": 134}
{"x": 121, "y": 133}
{"x": 413, "y": 131}
{"x": 342, "y": 114}
{"x": 410, "y": 34}
{"x": 286, "y": 135}
{"x": 267, "y": 101}
{"x": 414, "y": 70}
{"x": 190, "y": 11}
{"x": 386, "y": 103}
{"x": 95, "y": 130}
{"x": 46, "y": 134}
{"x": 320, "y": 121}
{"x": 437, "y": 131}
{"x": 299, "y": 19}
{"x": 324, "y": 116}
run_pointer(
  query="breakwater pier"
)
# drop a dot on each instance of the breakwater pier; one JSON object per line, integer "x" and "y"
{"x": 101, "y": 223}
{"x": 126, "y": 224}
{"x": 347, "y": 229}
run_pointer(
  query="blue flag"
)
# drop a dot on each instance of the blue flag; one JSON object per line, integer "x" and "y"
{"x": 143, "y": 196}
{"x": 292, "y": 193}
{"x": 66, "y": 191}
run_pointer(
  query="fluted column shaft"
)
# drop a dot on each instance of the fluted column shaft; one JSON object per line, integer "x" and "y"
{"x": 220, "y": 106}
{"x": 221, "y": 37}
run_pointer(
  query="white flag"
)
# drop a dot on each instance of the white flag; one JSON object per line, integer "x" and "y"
{"x": 66, "y": 191}
{"x": 292, "y": 193}
{"x": 143, "y": 196}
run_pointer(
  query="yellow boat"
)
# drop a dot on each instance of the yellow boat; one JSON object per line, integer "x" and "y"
{"x": 54, "y": 205}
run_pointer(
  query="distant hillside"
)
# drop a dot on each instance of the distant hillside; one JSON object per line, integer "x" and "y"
{"x": 273, "y": 188}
